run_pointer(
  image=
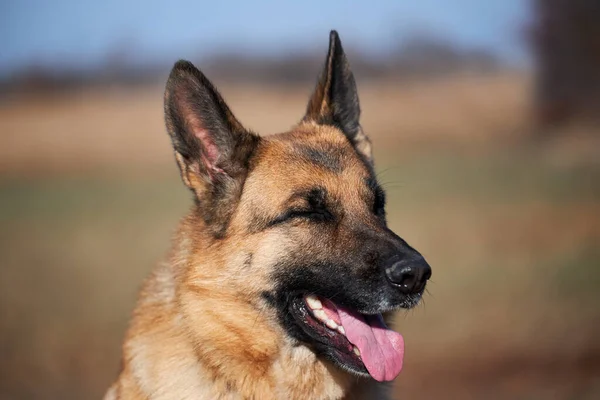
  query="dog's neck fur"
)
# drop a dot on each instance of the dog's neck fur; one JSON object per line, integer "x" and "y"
{"x": 188, "y": 335}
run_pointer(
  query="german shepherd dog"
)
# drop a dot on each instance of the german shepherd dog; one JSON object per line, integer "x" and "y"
{"x": 280, "y": 274}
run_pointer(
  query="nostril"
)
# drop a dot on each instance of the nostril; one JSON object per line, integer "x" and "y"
{"x": 407, "y": 276}
{"x": 401, "y": 274}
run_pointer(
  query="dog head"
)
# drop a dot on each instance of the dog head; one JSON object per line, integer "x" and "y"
{"x": 297, "y": 219}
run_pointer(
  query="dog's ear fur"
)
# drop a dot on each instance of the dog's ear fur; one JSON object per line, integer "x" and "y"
{"x": 335, "y": 99}
{"x": 212, "y": 148}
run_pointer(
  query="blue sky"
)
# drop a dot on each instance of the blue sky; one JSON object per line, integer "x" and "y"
{"x": 83, "y": 32}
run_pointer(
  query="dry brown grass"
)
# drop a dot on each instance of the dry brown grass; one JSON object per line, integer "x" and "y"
{"x": 124, "y": 128}
{"x": 90, "y": 195}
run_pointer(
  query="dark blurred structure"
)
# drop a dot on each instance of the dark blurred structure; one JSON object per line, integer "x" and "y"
{"x": 566, "y": 39}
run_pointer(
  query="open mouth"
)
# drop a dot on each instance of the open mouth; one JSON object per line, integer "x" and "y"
{"x": 360, "y": 343}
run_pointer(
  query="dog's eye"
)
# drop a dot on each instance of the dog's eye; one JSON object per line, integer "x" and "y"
{"x": 316, "y": 215}
{"x": 314, "y": 208}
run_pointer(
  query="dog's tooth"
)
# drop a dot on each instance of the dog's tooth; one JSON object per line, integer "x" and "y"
{"x": 356, "y": 350}
{"x": 341, "y": 330}
{"x": 320, "y": 314}
{"x": 331, "y": 324}
{"x": 313, "y": 302}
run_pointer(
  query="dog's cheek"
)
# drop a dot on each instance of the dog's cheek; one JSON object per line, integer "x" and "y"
{"x": 268, "y": 251}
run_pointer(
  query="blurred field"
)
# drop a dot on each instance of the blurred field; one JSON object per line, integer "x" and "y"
{"x": 89, "y": 195}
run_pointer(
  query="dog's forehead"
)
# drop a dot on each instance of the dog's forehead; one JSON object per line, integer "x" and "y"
{"x": 308, "y": 157}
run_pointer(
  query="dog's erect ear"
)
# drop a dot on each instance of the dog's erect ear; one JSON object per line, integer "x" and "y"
{"x": 212, "y": 148}
{"x": 335, "y": 100}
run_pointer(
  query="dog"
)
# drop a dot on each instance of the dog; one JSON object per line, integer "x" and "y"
{"x": 281, "y": 274}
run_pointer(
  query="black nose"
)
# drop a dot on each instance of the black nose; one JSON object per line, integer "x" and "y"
{"x": 409, "y": 275}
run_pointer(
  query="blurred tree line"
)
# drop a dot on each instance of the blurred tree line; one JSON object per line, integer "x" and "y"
{"x": 411, "y": 58}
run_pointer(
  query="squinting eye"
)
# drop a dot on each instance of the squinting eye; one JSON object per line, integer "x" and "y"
{"x": 316, "y": 215}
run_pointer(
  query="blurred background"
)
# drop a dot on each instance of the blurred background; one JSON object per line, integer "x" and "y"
{"x": 484, "y": 117}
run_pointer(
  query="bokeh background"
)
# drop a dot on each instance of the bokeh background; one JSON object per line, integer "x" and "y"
{"x": 484, "y": 117}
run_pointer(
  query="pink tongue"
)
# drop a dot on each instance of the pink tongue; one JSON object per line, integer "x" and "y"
{"x": 381, "y": 349}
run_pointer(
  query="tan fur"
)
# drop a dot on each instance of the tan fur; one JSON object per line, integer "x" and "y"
{"x": 200, "y": 330}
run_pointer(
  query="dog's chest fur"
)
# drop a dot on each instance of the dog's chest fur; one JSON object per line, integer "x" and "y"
{"x": 162, "y": 361}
